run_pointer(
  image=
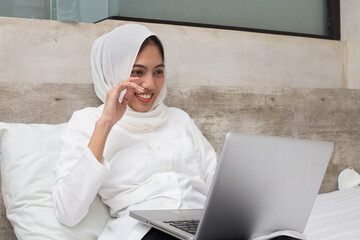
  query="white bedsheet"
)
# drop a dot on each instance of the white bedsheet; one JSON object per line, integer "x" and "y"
{"x": 335, "y": 216}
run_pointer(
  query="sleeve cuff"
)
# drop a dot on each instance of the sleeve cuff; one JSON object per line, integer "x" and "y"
{"x": 93, "y": 160}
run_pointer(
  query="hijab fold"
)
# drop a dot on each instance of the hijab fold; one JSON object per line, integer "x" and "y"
{"x": 112, "y": 58}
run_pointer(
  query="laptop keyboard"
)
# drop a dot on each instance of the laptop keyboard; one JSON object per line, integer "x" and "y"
{"x": 189, "y": 226}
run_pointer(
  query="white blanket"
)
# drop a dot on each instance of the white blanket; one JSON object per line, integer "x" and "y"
{"x": 335, "y": 216}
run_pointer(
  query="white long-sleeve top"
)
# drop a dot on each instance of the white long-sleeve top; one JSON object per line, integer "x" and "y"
{"x": 168, "y": 168}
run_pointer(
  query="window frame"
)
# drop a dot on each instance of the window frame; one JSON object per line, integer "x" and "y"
{"x": 333, "y": 23}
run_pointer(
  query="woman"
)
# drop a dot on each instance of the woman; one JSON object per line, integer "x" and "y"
{"x": 133, "y": 150}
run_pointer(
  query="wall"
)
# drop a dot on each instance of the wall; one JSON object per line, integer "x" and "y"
{"x": 51, "y": 51}
{"x": 350, "y": 34}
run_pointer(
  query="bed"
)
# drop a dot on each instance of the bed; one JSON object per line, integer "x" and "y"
{"x": 34, "y": 114}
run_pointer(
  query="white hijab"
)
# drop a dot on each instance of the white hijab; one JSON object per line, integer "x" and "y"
{"x": 112, "y": 58}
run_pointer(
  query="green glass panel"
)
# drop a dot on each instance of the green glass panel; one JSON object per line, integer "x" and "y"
{"x": 301, "y": 16}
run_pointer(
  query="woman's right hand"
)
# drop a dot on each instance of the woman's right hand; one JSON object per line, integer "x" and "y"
{"x": 113, "y": 109}
{"x": 112, "y": 113}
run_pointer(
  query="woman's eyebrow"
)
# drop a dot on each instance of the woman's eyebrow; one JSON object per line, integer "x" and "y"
{"x": 160, "y": 65}
{"x": 142, "y": 66}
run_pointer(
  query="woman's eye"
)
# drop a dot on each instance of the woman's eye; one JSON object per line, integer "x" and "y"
{"x": 136, "y": 72}
{"x": 159, "y": 72}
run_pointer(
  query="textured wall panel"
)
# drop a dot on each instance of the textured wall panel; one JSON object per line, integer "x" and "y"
{"x": 319, "y": 114}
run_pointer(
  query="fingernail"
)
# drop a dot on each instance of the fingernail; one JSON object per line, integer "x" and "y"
{"x": 141, "y": 88}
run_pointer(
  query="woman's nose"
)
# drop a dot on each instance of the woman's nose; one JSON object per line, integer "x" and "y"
{"x": 148, "y": 81}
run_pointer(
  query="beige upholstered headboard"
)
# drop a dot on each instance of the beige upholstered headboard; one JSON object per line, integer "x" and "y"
{"x": 319, "y": 114}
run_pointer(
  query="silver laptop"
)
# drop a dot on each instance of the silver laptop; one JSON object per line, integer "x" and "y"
{"x": 262, "y": 184}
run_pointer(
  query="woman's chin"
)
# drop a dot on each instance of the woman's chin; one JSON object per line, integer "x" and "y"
{"x": 140, "y": 107}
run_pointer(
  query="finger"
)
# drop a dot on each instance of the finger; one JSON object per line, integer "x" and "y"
{"x": 128, "y": 95}
{"x": 133, "y": 79}
{"x": 130, "y": 79}
{"x": 129, "y": 85}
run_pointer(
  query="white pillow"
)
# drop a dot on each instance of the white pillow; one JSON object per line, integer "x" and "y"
{"x": 28, "y": 155}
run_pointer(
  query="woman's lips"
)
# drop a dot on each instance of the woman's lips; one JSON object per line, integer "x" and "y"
{"x": 144, "y": 97}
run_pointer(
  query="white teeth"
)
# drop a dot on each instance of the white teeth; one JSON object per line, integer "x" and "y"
{"x": 144, "y": 96}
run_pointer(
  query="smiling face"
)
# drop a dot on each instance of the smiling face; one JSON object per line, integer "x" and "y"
{"x": 149, "y": 67}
